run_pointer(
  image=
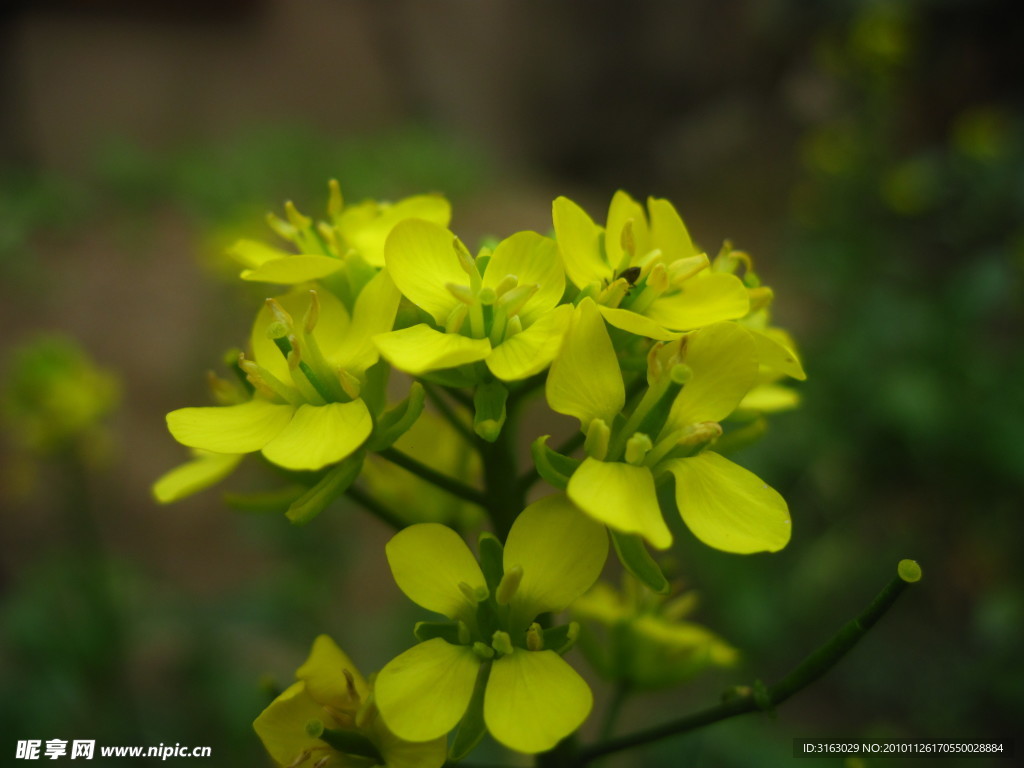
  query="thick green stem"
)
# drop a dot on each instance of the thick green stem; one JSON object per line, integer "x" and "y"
{"x": 505, "y": 497}
{"x": 442, "y": 481}
{"x": 813, "y": 667}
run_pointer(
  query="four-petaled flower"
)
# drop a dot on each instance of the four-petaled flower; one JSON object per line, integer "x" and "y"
{"x": 328, "y": 719}
{"x": 531, "y": 698}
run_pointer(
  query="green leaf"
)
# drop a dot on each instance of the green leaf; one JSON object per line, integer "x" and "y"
{"x": 638, "y": 561}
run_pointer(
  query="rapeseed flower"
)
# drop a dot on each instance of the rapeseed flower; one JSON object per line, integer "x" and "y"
{"x": 643, "y": 270}
{"x": 693, "y": 383}
{"x": 328, "y": 720}
{"x": 491, "y": 664}
{"x": 499, "y": 308}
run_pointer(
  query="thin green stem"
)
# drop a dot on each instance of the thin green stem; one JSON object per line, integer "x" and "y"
{"x": 442, "y": 481}
{"x": 375, "y": 508}
{"x": 505, "y": 497}
{"x": 446, "y": 410}
{"x": 611, "y": 714}
{"x": 813, "y": 667}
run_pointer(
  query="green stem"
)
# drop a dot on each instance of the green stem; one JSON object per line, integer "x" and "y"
{"x": 611, "y": 715}
{"x": 442, "y": 481}
{"x": 446, "y": 410}
{"x": 375, "y": 508}
{"x": 504, "y": 496}
{"x": 813, "y": 667}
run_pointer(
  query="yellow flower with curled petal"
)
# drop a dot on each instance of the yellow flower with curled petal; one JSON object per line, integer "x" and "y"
{"x": 306, "y": 411}
{"x": 328, "y": 720}
{"x": 491, "y": 664}
{"x": 499, "y": 307}
{"x": 647, "y": 643}
{"x": 643, "y": 270}
{"x": 693, "y": 384}
{"x": 352, "y": 238}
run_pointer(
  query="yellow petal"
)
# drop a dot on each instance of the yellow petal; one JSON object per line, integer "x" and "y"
{"x": 531, "y": 351}
{"x": 704, "y": 299}
{"x": 366, "y": 228}
{"x": 252, "y": 253}
{"x": 723, "y": 358}
{"x": 534, "y": 260}
{"x": 728, "y": 507}
{"x": 561, "y": 552}
{"x": 399, "y": 753}
{"x": 775, "y": 355}
{"x": 293, "y": 270}
{"x": 640, "y": 325}
{"x": 624, "y": 209}
{"x": 421, "y": 349}
{"x": 374, "y": 314}
{"x": 229, "y": 429}
{"x": 621, "y": 496}
{"x": 204, "y": 470}
{"x": 332, "y": 329}
{"x": 534, "y": 699}
{"x": 668, "y": 231}
{"x": 318, "y": 435}
{"x": 579, "y": 243}
{"x": 423, "y": 693}
{"x": 428, "y": 562}
{"x": 770, "y": 398}
{"x": 282, "y": 725}
{"x": 323, "y": 675}
{"x": 422, "y": 261}
{"x": 585, "y": 380}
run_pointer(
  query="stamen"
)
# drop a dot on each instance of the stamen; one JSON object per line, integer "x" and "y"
{"x": 502, "y": 643}
{"x": 312, "y": 312}
{"x": 681, "y": 270}
{"x": 506, "y": 284}
{"x": 598, "y": 437}
{"x": 297, "y": 219}
{"x": 509, "y": 585}
{"x": 535, "y": 637}
{"x": 280, "y": 313}
{"x": 461, "y": 292}
{"x": 637, "y": 448}
{"x": 335, "y": 202}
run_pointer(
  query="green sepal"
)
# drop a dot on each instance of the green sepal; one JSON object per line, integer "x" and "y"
{"x": 375, "y": 391}
{"x": 396, "y": 422}
{"x": 638, "y": 561}
{"x": 551, "y": 465}
{"x": 331, "y": 486}
{"x": 454, "y": 378}
{"x": 561, "y": 639}
{"x": 277, "y": 500}
{"x": 349, "y": 743}
{"x": 472, "y": 727}
{"x": 489, "y": 403}
{"x": 491, "y": 553}
{"x": 428, "y": 630}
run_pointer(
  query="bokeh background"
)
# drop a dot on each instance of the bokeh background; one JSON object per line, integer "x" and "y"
{"x": 870, "y": 155}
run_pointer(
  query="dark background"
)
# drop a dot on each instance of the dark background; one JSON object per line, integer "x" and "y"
{"x": 870, "y": 156}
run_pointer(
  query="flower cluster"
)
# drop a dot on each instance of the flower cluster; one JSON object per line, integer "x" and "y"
{"x": 665, "y": 356}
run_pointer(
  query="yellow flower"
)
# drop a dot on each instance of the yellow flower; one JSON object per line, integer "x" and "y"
{"x": 643, "y": 270}
{"x": 499, "y": 307}
{"x": 491, "y": 664}
{"x": 306, "y": 412}
{"x": 693, "y": 384}
{"x": 328, "y": 719}
{"x": 647, "y": 642}
{"x": 353, "y": 240}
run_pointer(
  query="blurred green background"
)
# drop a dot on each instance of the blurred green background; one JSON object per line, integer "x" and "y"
{"x": 869, "y": 155}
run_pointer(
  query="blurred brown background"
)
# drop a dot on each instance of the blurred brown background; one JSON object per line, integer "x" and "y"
{"x": 868, "y": 154}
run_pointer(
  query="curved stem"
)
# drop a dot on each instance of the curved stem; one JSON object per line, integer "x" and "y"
{"x": 446, "y": 410}
{"x": 442, "y": 481}
{"x": 611, "y": 714}
{"x": 809, "y": 670}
